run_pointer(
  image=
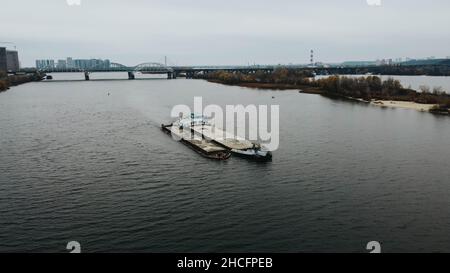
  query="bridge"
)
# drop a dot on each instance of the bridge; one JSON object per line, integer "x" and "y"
{"x": 192, "y": 71}
{"x": 144, "y": 68}
{"x": 157, "y": 68}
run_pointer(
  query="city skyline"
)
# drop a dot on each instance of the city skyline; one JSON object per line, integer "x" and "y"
{"x": 70, "y": 62}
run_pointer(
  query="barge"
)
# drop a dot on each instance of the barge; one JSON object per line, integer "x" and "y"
{"x": 237, "y": 146}
{"x": 202, "y": 146}
{"x": 212, "y": 142}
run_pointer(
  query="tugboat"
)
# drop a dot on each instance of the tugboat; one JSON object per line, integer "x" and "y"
{"x": 257, "y": 153}
{"x": 194, "y": 120}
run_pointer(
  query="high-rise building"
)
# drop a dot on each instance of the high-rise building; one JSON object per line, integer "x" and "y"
{"x": 3, "y": 63}
{"x": 84, "y": 64}
{"x": 61, "y": 64}
{"x": 92, "y": 64}
{"x": 70, "y": 63}
{"x": 12, "y": 60}
{"x": 81, "y": 64}
{"x": 45, "y": 64}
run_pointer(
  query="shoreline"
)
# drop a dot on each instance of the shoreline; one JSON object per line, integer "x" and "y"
{"x": 383, "y": 103}
{"x": 255, "y": 85}
{"x": 421, "y": 107}
{"x": 403, "y": 104}
{"x": 274, "y": 86}
{"x": 9, "y": 81}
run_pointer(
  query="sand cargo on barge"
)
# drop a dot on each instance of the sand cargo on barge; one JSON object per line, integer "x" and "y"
{"x": 238, "y": 146}
{"x": 204, "y": 147}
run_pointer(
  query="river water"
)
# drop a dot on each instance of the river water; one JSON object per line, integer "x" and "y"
{"x": 77, "y": 164}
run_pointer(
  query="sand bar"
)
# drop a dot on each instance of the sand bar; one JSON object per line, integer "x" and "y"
{"x": 403, "y": 104}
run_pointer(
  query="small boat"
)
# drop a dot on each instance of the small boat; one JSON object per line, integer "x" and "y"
{"x": 257, "y": 153}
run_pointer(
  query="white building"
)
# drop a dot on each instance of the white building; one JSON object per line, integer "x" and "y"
{"x": 45, "y": 64}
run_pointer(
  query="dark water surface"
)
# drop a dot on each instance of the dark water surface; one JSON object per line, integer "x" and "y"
{"x": 77, "y": 164}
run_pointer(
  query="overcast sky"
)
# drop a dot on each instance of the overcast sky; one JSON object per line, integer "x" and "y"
{"x": 208, "y": 32}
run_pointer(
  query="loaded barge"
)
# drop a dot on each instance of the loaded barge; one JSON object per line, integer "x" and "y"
{"x": 202, "y": 146}
{"x": 211, "y": 142}
{"x": 237, "y": 146}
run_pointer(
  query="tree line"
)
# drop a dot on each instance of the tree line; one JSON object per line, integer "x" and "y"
{"x": 278, "y": 76}
{"x": 373, "y": 88}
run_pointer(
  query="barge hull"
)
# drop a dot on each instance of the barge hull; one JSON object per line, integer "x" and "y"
{"x": 203, "y": 147}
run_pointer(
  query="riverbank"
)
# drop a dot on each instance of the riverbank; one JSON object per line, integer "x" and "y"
{"x": 370, "y": 89}
{"x": 8, "y": 81}
{"x": 422, "y": 107}
{"x": 256, "y": 85}
{"x": 3, "y": 85}
{"x": 272, "y": 86}
{"x": 404, "y": 104}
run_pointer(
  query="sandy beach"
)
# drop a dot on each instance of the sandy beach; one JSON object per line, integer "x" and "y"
{"x": 403, "y": 104}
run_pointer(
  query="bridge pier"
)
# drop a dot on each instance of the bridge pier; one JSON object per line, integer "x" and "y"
{"x": 86, "y": 76}
{"x": 131, "y": 75}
